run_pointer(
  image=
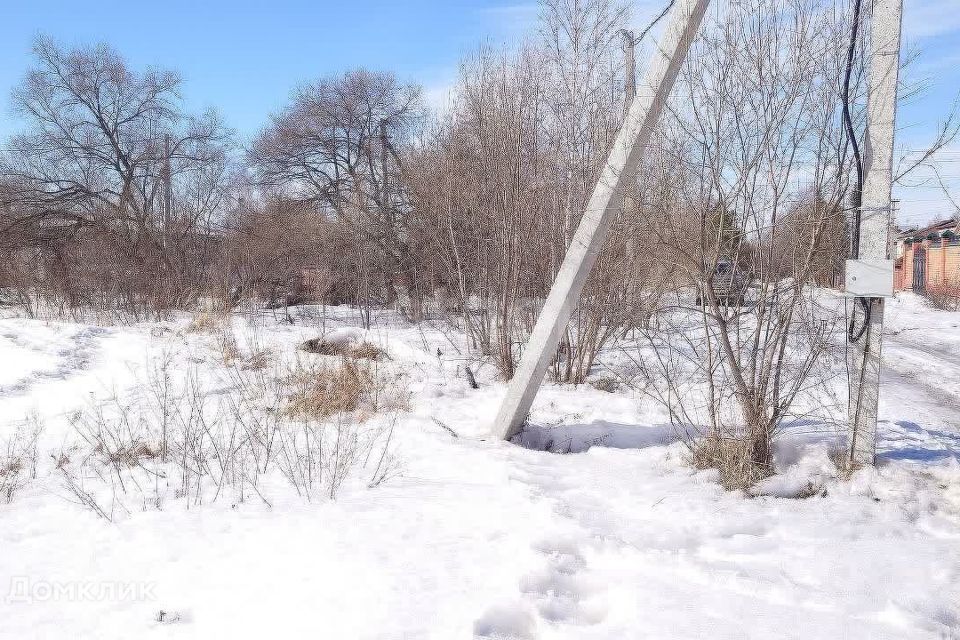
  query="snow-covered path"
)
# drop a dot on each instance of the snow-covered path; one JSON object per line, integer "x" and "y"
{"x": 920, "y": 394}
{"x": 479, "y": 538}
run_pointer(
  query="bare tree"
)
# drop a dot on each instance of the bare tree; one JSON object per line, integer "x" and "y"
{"x": 336, "y": 146}
{"x": 584, "y": 99}
{"x": 754, "y": 154}
{"x": 94, "y": 163}
{"x": 499, "y": 184}
{"x": 481, "y": 186}
{"x": 275, "y": 250}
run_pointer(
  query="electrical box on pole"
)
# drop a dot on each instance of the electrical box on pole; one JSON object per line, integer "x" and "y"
{"x": 869, "y": 278}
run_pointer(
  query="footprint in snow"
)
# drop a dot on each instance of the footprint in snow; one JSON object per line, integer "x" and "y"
{"x": 562, "y": 590}
{"x": 513, "y": 622}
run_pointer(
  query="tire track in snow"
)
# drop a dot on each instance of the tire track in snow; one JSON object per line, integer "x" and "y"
{"x": 938, "y": 392}
{"x": 75, "y": 357}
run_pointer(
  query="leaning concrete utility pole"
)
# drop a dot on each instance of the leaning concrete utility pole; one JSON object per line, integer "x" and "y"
{"x": 874, "y": 255}
{"x": 601, "y": 210}
{"x": 629, "y": 70}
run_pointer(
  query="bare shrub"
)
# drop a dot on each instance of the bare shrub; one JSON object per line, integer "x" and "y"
{"x": 316, "y": 427}
{"x": 18, "y": 458}
{"x": 732, "y": 369}
{"x": 279, "y": 252}
{"x": 75, "y": 486}
{"x": 499, "y": 184}
{"x": 337, "y": 148}
{"x": 115, "y": 185}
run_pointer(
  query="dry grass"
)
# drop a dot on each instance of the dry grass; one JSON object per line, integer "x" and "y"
{"x": 731, "y": 457}
{"x": 227, "y": 347}
{"x": 130, "y": 454}
{"x": 367, "y": 351}
{"x": 205, "y": 322}
{"x": 349, "y": 386}
{"x": 327, "y": 391}
{"x": 257, "y": 361}
{"x": 356, "y": 351}
{"x": 607, "y": 384}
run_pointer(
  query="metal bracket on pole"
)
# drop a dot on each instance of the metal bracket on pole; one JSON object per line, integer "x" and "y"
{"x": 601, "y": 210}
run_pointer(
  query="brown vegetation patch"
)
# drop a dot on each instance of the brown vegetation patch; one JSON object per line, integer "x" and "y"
{"x": 606, "y": 383}
{"x": 355, "y": 350}
{"x": 205, "y": 322}
{"x": 367, "y": 351}
{"x": 349, "y": 386}
{"x": 731, "y": 457}
{"x": 327, "y": 391}
{"x": 11, "y": 467}
{"x": 131, "y": 454}
{"x": 257, "y": 361}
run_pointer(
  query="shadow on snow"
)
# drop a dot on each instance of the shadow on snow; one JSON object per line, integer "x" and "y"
{"x": 577, "y": 438}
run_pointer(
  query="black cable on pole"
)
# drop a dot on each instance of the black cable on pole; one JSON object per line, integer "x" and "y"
{"x": 653, "y": 23}
{"x": 857, "y": 204}
{"x": 852, "y": 332}
{"x": 851, "y": 134}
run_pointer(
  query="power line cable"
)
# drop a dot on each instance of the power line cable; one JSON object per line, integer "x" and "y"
{"x": 857, "y": 198}
{"x": 851, "y": 134}
{"x": 653, "y": 23}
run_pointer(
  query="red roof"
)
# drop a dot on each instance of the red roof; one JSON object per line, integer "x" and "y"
{"x": 950, "y": 224}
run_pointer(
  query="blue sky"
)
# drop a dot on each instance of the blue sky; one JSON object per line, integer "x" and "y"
{"x": 243, "y": 57}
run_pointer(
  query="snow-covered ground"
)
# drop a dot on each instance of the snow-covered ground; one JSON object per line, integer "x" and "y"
{"x": 473, "y": 537}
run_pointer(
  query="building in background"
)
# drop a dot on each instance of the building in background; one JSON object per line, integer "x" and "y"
{"x": 928, "y": 259}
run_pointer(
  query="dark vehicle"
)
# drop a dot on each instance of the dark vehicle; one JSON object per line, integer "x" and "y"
{"x": 729, "y": 284}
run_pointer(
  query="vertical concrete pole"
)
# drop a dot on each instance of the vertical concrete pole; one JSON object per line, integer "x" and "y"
{"x": 875, "y": 221}
{"x": 602, "y": 208}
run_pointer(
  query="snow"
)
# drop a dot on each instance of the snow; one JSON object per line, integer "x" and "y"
{"x": 593, "y": 526}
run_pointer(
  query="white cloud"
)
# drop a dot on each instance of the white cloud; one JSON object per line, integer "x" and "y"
{"x": 439, "y": 97}
{"x": 930, "y": 18}
{"x": 439, "y": 84}
{"x": 512, "y": 21}
{"x": 929, "y": 63}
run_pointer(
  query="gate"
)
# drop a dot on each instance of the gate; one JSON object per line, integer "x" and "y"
{"x": 919, "y": 268}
